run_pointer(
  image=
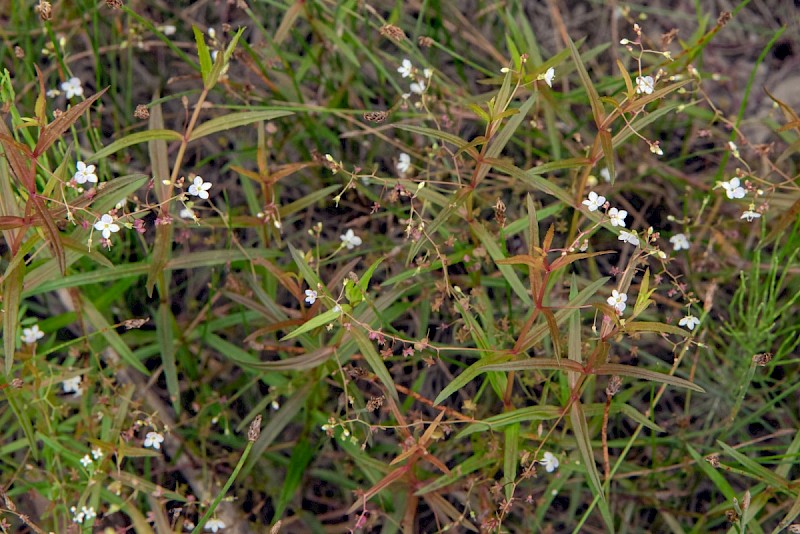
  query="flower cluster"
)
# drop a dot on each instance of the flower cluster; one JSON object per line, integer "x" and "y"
{"x": 85, "y": 514}
{"x": 407, "y": 70}
{"x": 616, "y": 216}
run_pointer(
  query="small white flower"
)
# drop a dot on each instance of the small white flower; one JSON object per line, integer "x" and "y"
{"x": 311, "y": 296}
{"x": 403, "y": 163}
{"x": 72, "y": 87}
{"x": 106, "y": 226}
{"x": 97, "y": 453}
{"x": 549, "y": 461}
{"x": 605, "y": 174}
{"x": 418, "y": 87}
{"x": 690, "y": 321}
{"x": 121, "y": 204}
{"x": 86, "y": 461}
{"x": 679, "y": 242}
{"x": 733, "y": 189}
{"x": 350, "y": 239}
{"x": 405, "y": 69}
{"x": 427, "y": 73}
{"x": 84, "y": 173}
{"x": 32, "y": 335}
{"x": 168, "y": 29}
{"x": 153, "y": 439}
{"x": 72, "y": 385}
{"x": 734, "y": 149}
{"x": 52, "y": 93}
{"x": 617, "y": 217}
{"x": 214, "y": 524}
{"x": 337, "y": 309}
{"x": 77, "y": 517}
{"x": 548, "y": 79}
{"x": 750, "y": 214}
{"x": 629, "y": 237}
{"x": 617, "y": 300}
{"x": 645, "y": 84}
{"x": 187, "y": 213}
{"x": 655, "y": 148}
{"x": 594, "y": 202}
{"x": 89, "y": 513}
{"x": 275, "y": 405}
{"x": 199, "y": 188}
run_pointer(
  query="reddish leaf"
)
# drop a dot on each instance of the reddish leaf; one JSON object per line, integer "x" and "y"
{"x": 53, "y": 131}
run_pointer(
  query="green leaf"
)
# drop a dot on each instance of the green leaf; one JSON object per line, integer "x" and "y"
{"x": 302, "y": 454}
{"x": 315, "y": 322}
{"x": 222, "y": 60}
{"x": 755, "y": 469}
{"x": 374, "y": 360}
{"x": 203, "y": 54}
{"x": 490, "y": 244}
{"x": 645, "y": 374}
{"x": 115, "y": 341}
{"x": 166, "y": 344}
{"x": 12, "y": 292}
{"x": 510, "y": 458}
{"x": 470, "y": 465}
{"x": 594, "y": 99}
{"x": 520, "y": 415}
{"x": 135, "y": 139}
{"x": 234, "y": 120}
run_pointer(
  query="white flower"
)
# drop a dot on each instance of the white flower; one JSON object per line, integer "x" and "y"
{"x": 72, "y": 87}
{"x": 427, "y": 73}
{"x": 548, "y": 79}
{"x": 84, "y": 173}
{"x": 733, "y": 189}
{"x": 86, "y": 461}
{"x": 629, "y": 237}
{"x": 72, "y": 385}
{"x": 418, "y": 87}
{"x": 734, "y": 149}
{"x": 32, "y": 334}
{"x": 594, "y": 202}
{"x": 750, "y": 214}
{"x": 199, "y": 188}
{"x": 89, "y": 513}
{"x": 214, "y": 524}
{"x": 337, "y": 309}
{"x": 106, "y": 225}
{"x": 77, "y": 517}
{"x": 187, "y": 213}
{"x": 275, "y": 405}
{"x": 350, "y": 239}
{"x": 690, "y": 321}
{"x": 405, "y": 69}
{"x": 403, "y": 163}
{"x": 168, "y": 29}
{"x": 606, "y": 174}
{"x": 679, "y": 242}
{"x": 153, "y": 439}
{"x": 617, "y": 217}
{"x": 311, "y": 296}
{"x": 52, "y": 93}
{"x": 617, "y": 300}
{"x": 97, "y": 453}
{"x": 645, "y": 84}
{"x": 549, "y": 461}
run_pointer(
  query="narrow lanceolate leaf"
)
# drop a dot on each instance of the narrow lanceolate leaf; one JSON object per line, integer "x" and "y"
{"x": 203, "y": 54}
{"x": 315, "y": 322}
{"x": 51, "y": 232}
{"x": 755, "y": 469}
{"x": 135, "y": 139}
{"x": 374, "y": 360}
{"x": 594, "y": 99}
{"x": 471, "y": 464}
{"x": 583, "y": 441}
{"x": 490, "y": 243}
{"x": 53, "y": 131}
{"x": 520, "y": 415}
{"x": 234, "y": 120}
{"x": 510, "y": 458}
{"x": 12, "y": 291}
{"x": 166, "y": 343}
{"x": 645, "y": 374}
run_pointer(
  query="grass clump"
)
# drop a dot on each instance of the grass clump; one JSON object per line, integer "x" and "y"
{"x": 327, "y": 267}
